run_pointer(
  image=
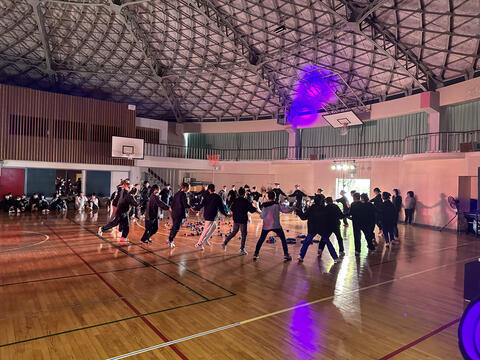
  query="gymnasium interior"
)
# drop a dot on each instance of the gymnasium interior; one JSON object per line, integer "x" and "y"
{"x": 329, "y": 97}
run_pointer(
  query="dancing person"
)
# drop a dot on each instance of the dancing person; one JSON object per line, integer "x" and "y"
{"x": 271, "y": 222}
{"x": 179, "y": 206}
{"x": 232, "y": 195}
{"x": 389, "y": 216}
{"x": 317, "y": 224}
{"x": 240, "y": 209}
{"x": 277, "y": 191}
{"x": 333, "y": 216}
{"x": 212, "y": 204}
{"x": 121, "y": 216}
{"x": 151, "y": 215}
{"x": 223, "y": 194}
{"x": 345, "y": 206}
{"x": 397, "y": 202}
{"x": 255, "y": 194}
{"x": 409, "y": 206}
{"x": 319, "y": 192}
{"x": 362, "y": 213}
{"x": 298, "y": 195}
{"x": 144, "y": 195}
{"x": 80, "y": 201}
{"x": 377, "y": 202}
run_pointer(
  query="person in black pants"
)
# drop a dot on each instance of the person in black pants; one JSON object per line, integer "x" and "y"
{"x": 333, "y": 215}
{"x": 240, "y": 209}
{"x": 362, "y": 214}
{"x": 151, "y": 215}
{"x": 377, "y": 202}
{"x": 255, "y": 194}
{"x": 389, "y": 216}
{"x": 397, "y": 202}
{"x": 410, "y": 204}
{"x": 298, "y": 195}
{"x": 345, "y": 206}
{"x": 144, "y": 195}
{"x": 179, "y": 205}
{"x": 121, "y": 217}
{"x": 277, "y": 191}
{"x": 232, "y": 195}
{"x": 317, "y": 223}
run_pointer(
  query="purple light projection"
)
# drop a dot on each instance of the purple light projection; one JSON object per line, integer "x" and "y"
{"x": 315, "y": 88}
{"x": 469, "y": 331}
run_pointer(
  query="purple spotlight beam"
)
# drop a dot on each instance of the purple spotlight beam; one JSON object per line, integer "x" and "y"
{"x": 312, "y": 93}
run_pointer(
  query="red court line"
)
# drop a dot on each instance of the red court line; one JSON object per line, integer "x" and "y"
{"x": 116, "y": 292}
{"x": 419, "y": 340}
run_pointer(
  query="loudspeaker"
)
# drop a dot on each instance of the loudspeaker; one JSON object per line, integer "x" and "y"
{"x": 471, "y": 286}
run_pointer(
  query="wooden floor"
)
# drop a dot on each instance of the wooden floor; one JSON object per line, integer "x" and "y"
{"x": 66, "y": 293}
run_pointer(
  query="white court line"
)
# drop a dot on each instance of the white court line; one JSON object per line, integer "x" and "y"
{"x": 331, "y": 297}
{"x": 28, "y": 246}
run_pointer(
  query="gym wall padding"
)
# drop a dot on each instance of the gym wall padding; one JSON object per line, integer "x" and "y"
{"x": 12, "y": 180}
{"x": 41, "y": 181}
{"x": 98, "y": 182}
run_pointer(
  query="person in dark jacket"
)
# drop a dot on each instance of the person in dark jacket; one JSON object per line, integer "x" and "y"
{"x": 212, "y": 204}
{"x": 362, "y": 214}
{"x": 255, "y": 194}
{"x": 345, "y": 206}
{"x": 232, "y": 195}
{"x": 333, "y": 215}
{"x": 165, "y": 196}
{"x": 397, "y": 202}
{"x": 179, "y": 206}
{"x": 240, "y": 209}
{"x": 151, "y": 215}
{"x": 377, "y": 202}
{"x": 278, "y": 192}
{"x": 389, "y": 218}
{"x": 317, "y": 222}
{"x": 121, "y": 218}
{"x": 34, "y": 203}
{"x": 223, "y": 194}
{"x": 57, "y": 203}
{"x": 144, "y": 195}
{"x": 298, "y": 195}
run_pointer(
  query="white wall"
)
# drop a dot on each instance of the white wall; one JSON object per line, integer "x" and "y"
{"x": 116, "y": 177}
{"x": 162, "y": 126}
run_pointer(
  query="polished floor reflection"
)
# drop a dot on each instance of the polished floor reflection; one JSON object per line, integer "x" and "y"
{"x": 68, "y": 293}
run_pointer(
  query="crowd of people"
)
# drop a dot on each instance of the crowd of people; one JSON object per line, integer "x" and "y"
{"x": 324, "y": 217}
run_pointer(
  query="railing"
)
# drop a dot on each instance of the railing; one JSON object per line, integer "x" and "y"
{"x": 416, "y": 144}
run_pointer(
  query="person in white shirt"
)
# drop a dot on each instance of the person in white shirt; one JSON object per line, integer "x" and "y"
{"x": 80, "y": 201}
{"x": 93, "y": 202}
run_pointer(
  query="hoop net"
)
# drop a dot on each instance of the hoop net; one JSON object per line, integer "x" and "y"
{"x": 344, "y": 129}
{"x": 213, "y": 159}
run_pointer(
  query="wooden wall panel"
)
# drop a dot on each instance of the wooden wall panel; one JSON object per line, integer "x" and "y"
{"x": 43, "y": 126}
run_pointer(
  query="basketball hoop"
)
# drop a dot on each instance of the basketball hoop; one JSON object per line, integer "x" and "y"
{"x": 213, "y": 159}
{"x": 344, "y": 129}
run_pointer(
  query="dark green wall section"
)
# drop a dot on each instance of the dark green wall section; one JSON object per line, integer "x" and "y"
{"x": 98, "y": 182}
{"x": 41, "y": 181}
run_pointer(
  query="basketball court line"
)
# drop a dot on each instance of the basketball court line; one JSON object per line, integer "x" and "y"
{"x": 420, "y": 339}
{"x": 68, "y": 276}
{"x": 145, "y": 263}
{"x": 46, "y": 238}
{"x": 261, "y": 317}
{"x": 116, "y": 292}
{"x": 154, "y": 266}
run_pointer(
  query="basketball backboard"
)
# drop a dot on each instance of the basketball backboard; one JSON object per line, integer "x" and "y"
{"x": 346, "y": 118}
{"x": 130, "y": 148}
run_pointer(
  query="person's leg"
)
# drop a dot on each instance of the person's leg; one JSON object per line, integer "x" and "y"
{"x": 345, "y": 222}
{"x": 176, "y": 224}
{"x": 331, "y": 249}
{"x": 146, "y": 234}
{"x": 210, "y": 231}
{"x": 206, "y": 226}
{"x": 260, "y": 241}
{"x": 357, "y": 236}
{"x": 281, "y": 234}
{"x": 412, "y": 212}
{"x": 306, "y": 243}
{"x": 234, "y": 232}
{"x": 153, "y": 227}
{"x": 125, "y": 225}
{"x": 387, "y": 232}
{"x": 338, "y": 235}
{"x": 243, "y": 230}
{"x": 114, "y": 222}
{"x": 369, "y": 236}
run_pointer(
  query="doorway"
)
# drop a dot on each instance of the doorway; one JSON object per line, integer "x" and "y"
{"x": 347, "y": 185}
